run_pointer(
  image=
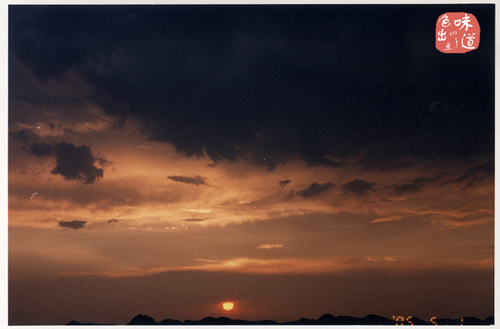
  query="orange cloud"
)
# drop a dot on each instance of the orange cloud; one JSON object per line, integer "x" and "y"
{"x": 390, "y": 259}
{"x": 238, "y": 265}
{"x": 271, "y": 266}
{"x": 387, "y": 219}
{"x": 270, "y": 246}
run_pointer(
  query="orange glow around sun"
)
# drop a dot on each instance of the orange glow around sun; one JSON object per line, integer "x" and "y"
{"x": 228, "y": 306}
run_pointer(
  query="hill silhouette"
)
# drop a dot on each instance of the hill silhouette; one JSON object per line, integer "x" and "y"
{"x": 326, "y": 319}
{"x": 142, "y": 320}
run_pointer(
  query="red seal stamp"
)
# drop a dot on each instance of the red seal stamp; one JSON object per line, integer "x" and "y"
{"x": 457, "y": 33}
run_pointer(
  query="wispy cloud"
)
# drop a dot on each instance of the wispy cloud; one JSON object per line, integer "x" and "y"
{"x": 283, "y": 183}
{"x": 390, "y": 259}
{"x": 273, "y": 266}
{"x": 276, "y": 266}
{"x": 194, "y": 220}
{"x": 449, "y": 223}
{"x": 387, "y": 219}
{"x": 376, "y": 259}
{"x": 315, "y": 189}
{"x": 237, "y": 265}
{"x": 407, "y": 188}
{"x": 195, "y": 180}
{"x": 476, "y": 173}
{"x": 270, "y": 246}
{"x": 358, "y": 186}
{"x": 423, "y": 179}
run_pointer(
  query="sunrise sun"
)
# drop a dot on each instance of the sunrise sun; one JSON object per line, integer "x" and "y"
{"x": 228, "y": 306}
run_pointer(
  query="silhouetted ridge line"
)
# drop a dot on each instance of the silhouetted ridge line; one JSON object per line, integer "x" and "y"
{"x": 169, "y": 322}
{"x": 142, "y": 320}
{"x": 377, "y": 319}
{"x": 326, "y": 319}
{"x": 76, "y": 323}
{"x": 418, "y": 322}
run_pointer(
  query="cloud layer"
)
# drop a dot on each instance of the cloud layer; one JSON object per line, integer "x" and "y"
{"x": 229, "y": 92}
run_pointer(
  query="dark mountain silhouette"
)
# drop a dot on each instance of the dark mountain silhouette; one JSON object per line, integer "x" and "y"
{"x": 416, "y": 321}
{"x": 448, "y": 322}
{"x": 469, "y": 320}
{"x": 142, "y": 320}
{"x": 473, "y": 321}
{"x": 302, "y": 321}
{"x": 265, "y": 323}
{"x": 211, "y": 321}
{"x": 326, "y": 319}
{"x": 372, "y": 319}
{"x": 76, "y": 323}
{"x": 169, "y": 322}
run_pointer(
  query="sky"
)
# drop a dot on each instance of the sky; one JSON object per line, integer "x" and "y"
{"x": 295, "y": 160}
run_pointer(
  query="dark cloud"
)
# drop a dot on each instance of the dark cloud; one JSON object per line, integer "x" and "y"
{"x": 72, "y": 162}
{"x": 378, "y": 159}
{"x": 315, "y": 160}
{"x": 407, "y": 188}
{"x": 41, "y": 150}
{"x": 113, "y": 221}
{"x": 194, "y": 220}
{"x": 24, "y": 135}
{"x": 314, "y": 189}
{"x": 76, "y": 163}
{"x": 269, "y": 162}
{"x": 358, "y": 186}
{"x": 386, "y": 200}
{"x": 274, "y": 82}
{"x": 332, "y": 164}
{"x": 476, "y": 174}
{"x": 102, "y": 161}
{"x": 432, "y": 179}
{"x": 283, "y": 183}
{"x": 196, "y": 180}
{"x": 74, "y": 224}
